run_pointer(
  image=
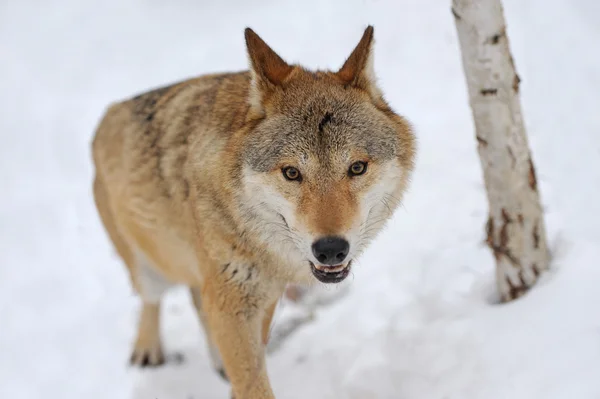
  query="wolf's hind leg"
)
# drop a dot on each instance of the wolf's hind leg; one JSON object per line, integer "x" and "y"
{"x": 147, "y": 350}
{"x": 151, "y": 285}
{"x": 215, "y": 356}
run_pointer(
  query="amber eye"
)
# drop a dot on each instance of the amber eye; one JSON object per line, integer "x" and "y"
{"x": 291, "y": 173}
{"x": 357, "y": 168}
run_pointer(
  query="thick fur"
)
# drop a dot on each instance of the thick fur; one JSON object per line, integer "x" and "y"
{"x": 190, "y": 189}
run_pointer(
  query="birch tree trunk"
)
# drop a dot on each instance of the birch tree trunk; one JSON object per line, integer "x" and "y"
{"x": 515, "y": 228}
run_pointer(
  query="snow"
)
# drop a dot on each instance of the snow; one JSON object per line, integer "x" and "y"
{"x": 420, "y": 318}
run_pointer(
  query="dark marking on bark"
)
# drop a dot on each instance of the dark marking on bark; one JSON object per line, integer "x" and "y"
{"x": 512, "y": 156}
{"x": 536, "y": 236}
{"x": 532, "y": 177}
{"x": 482, "y": 141}
{"x": 501, "y": 249}
{"x": 326, "y": 119}
{"x": 536, "y": 271}
{"x": 505, "y": 216}
{"x": 520, "y": 218}
{"x": 516, "y": 291}
{"x": 522, "y": 279}
{"x": 458, "y": 17}
{"x": 150, "y": 116}
{"x": 225, "y": 267}
{"x": 504, "y": 229}
{"x": 516, "y": 83}
{"x": 488, "y": 92}
{"x": 495, "y": 39}
{"x": 489, "y": 229}
{"x": 512, "y": 259}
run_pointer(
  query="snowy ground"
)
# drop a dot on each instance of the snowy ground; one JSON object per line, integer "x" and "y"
{"x": 419, "y": 320}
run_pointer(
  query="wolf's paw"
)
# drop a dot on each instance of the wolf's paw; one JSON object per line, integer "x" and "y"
{"x": 147, "y": 356}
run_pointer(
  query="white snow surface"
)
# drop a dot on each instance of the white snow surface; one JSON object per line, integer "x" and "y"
{"x": 420, "y": 319}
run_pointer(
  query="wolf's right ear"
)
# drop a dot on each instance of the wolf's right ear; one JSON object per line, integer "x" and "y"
{"x": 358, "y": 70}
{"x": 267, "y": 69}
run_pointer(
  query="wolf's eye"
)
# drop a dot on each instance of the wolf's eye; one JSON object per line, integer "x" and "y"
{"x": 357, "y": 168}
{"x": 291, "y": 173}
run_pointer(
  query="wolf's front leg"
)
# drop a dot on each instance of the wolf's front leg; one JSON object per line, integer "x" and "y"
{"x": 235, "y": 313}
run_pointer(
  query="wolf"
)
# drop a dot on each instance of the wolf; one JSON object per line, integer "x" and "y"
{"x": 237, "y": 184}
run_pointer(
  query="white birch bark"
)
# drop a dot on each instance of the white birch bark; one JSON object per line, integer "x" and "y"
{"x": 515, "y": 228}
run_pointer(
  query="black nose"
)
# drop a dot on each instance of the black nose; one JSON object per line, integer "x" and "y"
{"x": 331, "y": 250}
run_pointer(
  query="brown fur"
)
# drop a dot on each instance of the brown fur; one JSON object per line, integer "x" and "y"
{"x": 179, "y": 174}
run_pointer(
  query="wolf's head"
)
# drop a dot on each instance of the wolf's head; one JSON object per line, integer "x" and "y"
{"x": 328, "y": 160}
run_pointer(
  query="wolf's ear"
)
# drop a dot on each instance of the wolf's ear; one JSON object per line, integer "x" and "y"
{"x": 267, "y": 69}
{"x": 358, "y": 70}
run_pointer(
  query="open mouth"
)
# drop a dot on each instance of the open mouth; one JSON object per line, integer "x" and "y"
{"x": 330, "y": 274}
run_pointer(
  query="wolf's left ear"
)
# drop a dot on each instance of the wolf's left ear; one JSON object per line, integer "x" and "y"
{"x": 268, "y": 70}
{"x": 358, "y": 69}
